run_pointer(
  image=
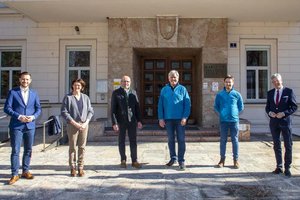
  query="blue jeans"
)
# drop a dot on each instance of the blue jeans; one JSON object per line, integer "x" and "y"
{"x": 16, "y": 138}
{"x": 233, "y": 127}
{"x": 173, "y": 125}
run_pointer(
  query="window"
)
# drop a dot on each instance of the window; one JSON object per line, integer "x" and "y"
{"x": 78, "y": 60}
{"x": 10, "y": 67}
{"x": 258, "y": 62}
{"x": 257, "y": 70}
{"x": 78, "y": 66}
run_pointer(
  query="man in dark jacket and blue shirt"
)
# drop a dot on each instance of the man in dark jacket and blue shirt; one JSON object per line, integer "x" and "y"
{"x": 126, "y": 116}
{"x": 174, "y": 108}
{"x": 228, "y": 104}
{"x": 281, "y": 103}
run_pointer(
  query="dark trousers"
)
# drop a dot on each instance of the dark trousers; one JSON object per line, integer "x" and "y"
{"x": 276, "y": 129}
{"x": 131, "y": 129}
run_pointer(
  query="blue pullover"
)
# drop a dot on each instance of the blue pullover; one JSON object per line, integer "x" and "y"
{"x": 229, "y": 105}
{"x": 174, "y": 103}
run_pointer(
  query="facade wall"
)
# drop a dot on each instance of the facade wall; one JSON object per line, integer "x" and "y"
{"x": 43, "y": 53}
{"x": 287, "y": 37}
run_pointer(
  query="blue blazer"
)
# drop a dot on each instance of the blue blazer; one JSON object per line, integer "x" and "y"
{"x": 287, "y": 104}
{"x": 15, "y": 106}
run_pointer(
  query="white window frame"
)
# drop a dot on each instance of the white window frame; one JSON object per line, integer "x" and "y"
{"x": 257, "y": 44}
{"x": 65, "y": 45}
{"x": 12, "y": 45}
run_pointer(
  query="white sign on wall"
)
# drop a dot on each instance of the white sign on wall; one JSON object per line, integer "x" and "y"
{"x": 215, "y": 86}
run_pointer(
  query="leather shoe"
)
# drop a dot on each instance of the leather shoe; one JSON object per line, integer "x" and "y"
{"x": 73, "y": 172}
{"x": 181, "y": 166}
{"x": 27, "y": 175}
{"x": 236, "y": 164}
{"x": 287, "y": 173}
{"x": 221, "y": 163}
{"x": 277, "y": 171}
{"x": 81, "y": 173}
{"x": 171, "y": 163}
{"x": 123, "y": 164}
{"x": 13, "y": 179}
{"x": 136, "y": 165}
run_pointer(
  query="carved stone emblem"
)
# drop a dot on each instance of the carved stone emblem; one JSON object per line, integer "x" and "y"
{"x": 167, "y": 26}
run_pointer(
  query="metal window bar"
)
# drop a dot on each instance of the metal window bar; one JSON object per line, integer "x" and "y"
{"x": 44, "y": 134}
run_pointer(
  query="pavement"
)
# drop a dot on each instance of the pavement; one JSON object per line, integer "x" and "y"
{"x": 104, "y": 178}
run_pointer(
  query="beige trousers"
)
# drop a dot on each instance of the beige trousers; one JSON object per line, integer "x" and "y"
{"x": 79, "y": 138}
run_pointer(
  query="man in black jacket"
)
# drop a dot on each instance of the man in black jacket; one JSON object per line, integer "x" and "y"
{"x": 126, "y": 116}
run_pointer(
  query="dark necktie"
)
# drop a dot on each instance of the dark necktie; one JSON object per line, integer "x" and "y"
{"x": 277, "y": 98}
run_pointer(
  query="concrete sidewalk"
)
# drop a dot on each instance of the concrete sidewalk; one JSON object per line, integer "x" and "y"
{"x": 201, "y": 180}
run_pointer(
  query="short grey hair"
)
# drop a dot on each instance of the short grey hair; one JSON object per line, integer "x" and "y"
{"x": 277, "y": 76}
{"x": 173, "y": 73}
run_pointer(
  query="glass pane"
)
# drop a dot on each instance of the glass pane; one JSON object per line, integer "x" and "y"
{"x": 4, "y": 84}
{"x": 11, "y": 59}
{"x": 187, "y": 77}
{"x": 160, "y": 64}
{"x": 175, "y": 64}
{"x": 79, "y": 58}
{"x": 257, "y": 58}
{"x": 251, "y": 84}
{"x": 73, "y": 75}
{"x": 160, "y": 76}
{"x": 85, "y": 75}
{"x": 187, "y": 64}
{"x": 188, "y": 88}
{"x": 149, "y": 100}
{"x": 15, "y": 78}
{"x": 148, "y": 76}
{"x": 149, "y": 64}
{"x": 148, "y": 88}
{"x": 263, "y": 84}
{"x": 148, "y": 112}
{"x": 159, "y": 87}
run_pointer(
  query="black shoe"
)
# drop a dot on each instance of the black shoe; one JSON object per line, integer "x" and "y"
{"x": 171, "y": 163}
{"x": 277, "y": 171}
{"x": 287, "y": 173}
{"x": 182, "y": 166}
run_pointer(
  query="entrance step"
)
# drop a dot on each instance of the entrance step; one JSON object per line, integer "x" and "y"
{"x": 153, "y": 133}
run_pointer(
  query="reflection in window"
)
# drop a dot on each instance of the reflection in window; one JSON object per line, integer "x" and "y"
{"x": 160, "y": 76}
{"x": 257, "y": 58}
{"x": 149, "y": 65}
{"x": 79, "y": 58}
{"x": 149, "y": 100}
{"x": 263, "y": 83}
{"x": 11, "y": 59}
{"x": 148, "y": 77}
{"x": 187, "y": 64}
{"x": 251, "y": 84}
{"x": 149, "y": 112}
{"x": 187, "y": 76}
{"x": 160, "y": 64}
{"x": 175, "y": 64}
{"x": 148, "y": 88}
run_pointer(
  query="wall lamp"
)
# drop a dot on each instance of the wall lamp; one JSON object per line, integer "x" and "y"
{"x": 77, "y": 30}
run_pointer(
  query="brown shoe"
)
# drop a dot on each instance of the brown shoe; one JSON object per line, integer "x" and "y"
{"x": 236, "y": 164}
{"x": 81, "y": 173}
{"x": 13, "y": 179}
{"x": 27, "y": 175}
{"x": 221, "y": 163}
{"x": 123, "y": 164}
{"x": 73, "y": 172}
{"x": 136, "y": 165}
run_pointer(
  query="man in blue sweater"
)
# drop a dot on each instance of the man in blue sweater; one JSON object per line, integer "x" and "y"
{"x": 174, "y": 108}
{"x": 228, "y": 104}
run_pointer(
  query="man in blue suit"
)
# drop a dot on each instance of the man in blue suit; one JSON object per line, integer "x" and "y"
{"x": 281, "y": 103}
{"x": 23, "y": 106}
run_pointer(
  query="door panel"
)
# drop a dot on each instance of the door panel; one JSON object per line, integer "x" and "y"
{"x": 154, "y": 75}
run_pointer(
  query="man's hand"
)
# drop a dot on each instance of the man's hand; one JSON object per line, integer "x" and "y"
{"x": 116, "y": 127}
{"x": 280, "y": 115}
{"x": 140, "y": 125}
{"x": 162, "y": 123}
{"x": 183, "y": 122}
{"x": 272, "y": 114}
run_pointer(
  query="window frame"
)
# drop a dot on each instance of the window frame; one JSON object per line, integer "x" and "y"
{"x": 257, "y": 44}
{"x": 64, "y": 73}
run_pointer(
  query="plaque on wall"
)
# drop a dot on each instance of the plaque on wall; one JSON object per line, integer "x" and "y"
{"x": 215, "y": 70}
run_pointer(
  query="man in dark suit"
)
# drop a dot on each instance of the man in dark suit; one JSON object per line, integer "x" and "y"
{"x": 23, "y": 106}
{"x": 281, "y": 103}
{"x": 126, "y": 116}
